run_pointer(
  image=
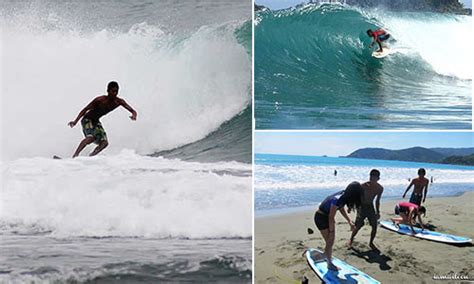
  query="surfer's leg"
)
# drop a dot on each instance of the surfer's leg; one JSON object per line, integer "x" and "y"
{"x": 329, "y": 238}
{"x": 86, "y": 141}
{"x": 99, "y": 147}
{"x": 380, "y": 46}
{"x": 359, "y": 223}
{"x": 372, "y": 217}
{"x": 101, "y": 138}
{"x": 396, "y": 220}
{"x": 404, "y": 218}
{"x": 322, "y": 222}
{"x": 373, "y": 233}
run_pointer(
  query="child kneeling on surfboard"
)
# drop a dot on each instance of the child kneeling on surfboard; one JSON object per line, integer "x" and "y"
{"x": 408, "y": 212}
{"x": 378, "y": 37}
{"x": 324, "y": 218}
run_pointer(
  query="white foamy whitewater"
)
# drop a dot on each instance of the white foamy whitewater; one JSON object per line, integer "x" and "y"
{"x": 126, "y": 195}
{"x": 441, "y": 40}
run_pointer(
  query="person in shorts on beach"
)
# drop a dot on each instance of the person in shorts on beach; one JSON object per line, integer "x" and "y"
{"x": 408, "y": 212}
{"x": 420, "y": 188}
{"x": 371, "y": 190}
{"x": 91, "y": 126}
{"x": 324, "y": 218}
{"x": 378, "y": 36}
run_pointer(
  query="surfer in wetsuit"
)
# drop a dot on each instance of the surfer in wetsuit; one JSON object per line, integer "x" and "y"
{"x": 408, "y": 212}
{"x": 324, "y": 218}
{"x": 378, "y": 36}
{"x": 371, "y": 190}
{"x": 91, "y": 126}
{"x": 420, "y": 189}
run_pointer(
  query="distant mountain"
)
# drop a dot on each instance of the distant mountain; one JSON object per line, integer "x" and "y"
{"x": 415, "y": 154}
{"x": 458, "y": 156}
{"x": 454, "y": 151}
{"x": 459, "y": 160}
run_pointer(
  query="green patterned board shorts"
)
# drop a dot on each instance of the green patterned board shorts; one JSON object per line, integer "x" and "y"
{"x": 96, "y": 130}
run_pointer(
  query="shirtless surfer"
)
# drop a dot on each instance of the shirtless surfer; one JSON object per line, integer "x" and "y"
{"x": 91, "y": 126}
{"x": 420, "y": 189}
{"x": 371, "y": 190}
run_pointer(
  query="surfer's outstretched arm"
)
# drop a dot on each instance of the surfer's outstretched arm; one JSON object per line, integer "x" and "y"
{"x": 421, "y": 222}
{"x": 410, "y": 220}
{"x": 425, "y": 192}
{"x": 82, "y": 113}
{"x": 129, "y": 108}
{"x": 408, "y": 188}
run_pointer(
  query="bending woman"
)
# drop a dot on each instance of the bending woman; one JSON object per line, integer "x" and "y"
{"x": 326, "y": 214}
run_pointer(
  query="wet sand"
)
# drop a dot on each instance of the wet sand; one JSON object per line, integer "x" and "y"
{"x": 281, "y": 240}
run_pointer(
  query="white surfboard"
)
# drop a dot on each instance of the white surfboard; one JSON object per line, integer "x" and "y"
{"x": 425, "y": 234}
{"x": 385, "y": 51}
{"x": 347, "y": 274}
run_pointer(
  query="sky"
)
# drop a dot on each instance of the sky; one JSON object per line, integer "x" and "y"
{"x": 336, "y": 144}
{"x": 282, "y": 4}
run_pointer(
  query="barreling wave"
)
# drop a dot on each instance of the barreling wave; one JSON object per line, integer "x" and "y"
{"x": 313, "y": 68}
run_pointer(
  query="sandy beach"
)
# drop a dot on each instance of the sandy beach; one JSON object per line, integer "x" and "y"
{"x": 281, "y": 240}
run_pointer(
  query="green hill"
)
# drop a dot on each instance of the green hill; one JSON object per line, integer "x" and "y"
{"x": 458, "y": 156}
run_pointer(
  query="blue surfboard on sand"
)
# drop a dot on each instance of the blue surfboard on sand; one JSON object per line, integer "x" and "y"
{"x": 425, "y": 234}
{"x": 347, "y": 274}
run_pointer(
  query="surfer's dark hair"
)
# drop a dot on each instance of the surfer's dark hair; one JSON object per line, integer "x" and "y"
{"x": 375, "y": 173}
{"x": 369, "y": 31}
{"x": 352, "y": 195}
{"x": 112, "y": 84}
{"x": 421, "y": 209}
{"x": 421, "y": 171}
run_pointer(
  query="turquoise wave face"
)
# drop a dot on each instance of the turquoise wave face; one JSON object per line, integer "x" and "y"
{"x": 314, "y": 69}
{"x": 232, "y": 141}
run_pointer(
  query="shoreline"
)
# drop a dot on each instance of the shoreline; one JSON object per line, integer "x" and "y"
{"x": 280, "y": 241}
{"x": 289, "y": 210}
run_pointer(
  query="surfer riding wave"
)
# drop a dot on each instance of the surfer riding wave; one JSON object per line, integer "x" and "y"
{"x": 91, "y": 126}
{"x": 378, "y": 36}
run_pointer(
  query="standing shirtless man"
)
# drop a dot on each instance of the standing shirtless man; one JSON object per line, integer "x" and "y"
{"x": 420, "y": 189}
{"x": 372, "y": 190}
{"x": 91, "y": 126}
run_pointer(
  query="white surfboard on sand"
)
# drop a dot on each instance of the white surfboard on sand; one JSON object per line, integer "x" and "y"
{"x": 425, "y": 234}
{"x": 347, "y": 274}
{"x": 386, "y": 51}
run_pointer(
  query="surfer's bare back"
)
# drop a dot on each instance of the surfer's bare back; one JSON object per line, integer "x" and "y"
{"x": 91, "y": 126}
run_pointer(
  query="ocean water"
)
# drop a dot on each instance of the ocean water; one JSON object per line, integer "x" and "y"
{"x": 284, "y": 182}
{"x": 314, "y": 69}
{"x": 170, "y": 199}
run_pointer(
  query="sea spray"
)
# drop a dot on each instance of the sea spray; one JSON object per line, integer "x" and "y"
{"x": 183, "y": 86}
